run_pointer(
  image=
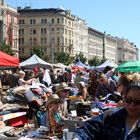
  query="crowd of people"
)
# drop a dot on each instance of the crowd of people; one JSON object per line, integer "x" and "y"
{"x": 121, "y": 122}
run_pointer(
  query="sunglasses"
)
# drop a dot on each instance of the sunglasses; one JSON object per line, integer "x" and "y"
{"x": 66, "y": 90}
{"x": 129, "y": 101}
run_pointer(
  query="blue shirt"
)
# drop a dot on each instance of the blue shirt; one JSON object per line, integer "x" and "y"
{"x": 108, "y": 126}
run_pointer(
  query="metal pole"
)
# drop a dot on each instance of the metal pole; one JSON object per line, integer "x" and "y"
{"x": 52, "y": 47}
{"x": 104, "y": 44}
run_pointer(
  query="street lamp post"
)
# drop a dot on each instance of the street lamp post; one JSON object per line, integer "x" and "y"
{"x": 52, "y": 49}
{"x": 51, "y": 44}
{"x": 104, "y": 44}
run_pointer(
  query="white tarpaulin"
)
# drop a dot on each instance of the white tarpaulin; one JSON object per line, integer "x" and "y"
{"x": 35, "y": 61}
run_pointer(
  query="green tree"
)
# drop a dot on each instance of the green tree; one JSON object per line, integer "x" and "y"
{"x": 6, "y": 48}
{"x": 39, "y": 52}
{"x": 95, "y": 61}
{"x": 64, "y": 58}
{"x": 81, "y": 57}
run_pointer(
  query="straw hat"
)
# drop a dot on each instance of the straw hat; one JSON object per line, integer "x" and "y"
{"x": 53, "y": 99}
{"x": 61, "y": 87}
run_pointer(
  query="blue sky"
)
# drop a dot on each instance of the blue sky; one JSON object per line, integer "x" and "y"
{"x": 117, "y": 17}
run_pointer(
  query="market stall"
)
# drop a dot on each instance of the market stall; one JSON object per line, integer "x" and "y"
{"x": 35, "y": 61}
{"x": 8, "y": 61}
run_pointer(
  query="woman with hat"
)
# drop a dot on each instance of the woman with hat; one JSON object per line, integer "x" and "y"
{"x": 115, "y": 123}
{"x": 63, "y": 91}
{"x": 52, "y": 118}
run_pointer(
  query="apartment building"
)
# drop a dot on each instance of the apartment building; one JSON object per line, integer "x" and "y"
{"x": 101, "y": 45}
{"x": 9, "y": 26}
{"x": 127, "y": 51}
{"x": 110, "y": 48}
{"x": 2, "y": 21}
{"x": 12, "y": 28}
{"x": 48, "y": 29}
{"x": 95, "y": 43}
{"x": 80, "y": 38}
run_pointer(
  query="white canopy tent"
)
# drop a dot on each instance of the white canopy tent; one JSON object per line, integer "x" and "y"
{"x": 60, "y": 65}
{"x": 106, "y": 63}
{"x": 79, "y": 63}
{"x": 35, "y": 61}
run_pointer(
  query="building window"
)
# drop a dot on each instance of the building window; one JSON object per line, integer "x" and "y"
{"x": 32, "y": 21}
{"x": 43, "y": 30}
{"x": 12, "y": 20}
{"x": 52, "y": 20}
{"x": 57, "y": 30}
{"x": 21, "y": 21}
{"x": 62, "y": 20}
{"x": 43, "y": 41}
{"x": 32, "y": 31}
{"x": 62, "y": 30}
{"x": 21, "y": 41}
{"x": 52, "y": 30}
{"x": 58, "y": 41}
{"x": 32, "y": 41}
{"x": 53, "y": 41}
{"x": 43, "y": 21}
{"x": 21, "y": 51}
{"x": 58, "y": 20}
{"x": 62, "y": 41}
{"x": 21, "y": 31}
{"x": 69, "y": 23}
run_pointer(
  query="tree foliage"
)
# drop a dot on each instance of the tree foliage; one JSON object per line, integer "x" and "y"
{"x": 6, "y": 48}
{"x": 39, "y": 52}
{"x": 95, "y": 61}
{"x": 64, "y": 58}
{"x": 80, "y": 57}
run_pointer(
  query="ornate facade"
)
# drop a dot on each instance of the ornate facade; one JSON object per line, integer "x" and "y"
{"x": 48, "y": 29}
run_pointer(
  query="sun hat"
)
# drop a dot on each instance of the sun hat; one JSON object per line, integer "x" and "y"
{"x": 62, "y": 86}
{"x": 53, "y": 99}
